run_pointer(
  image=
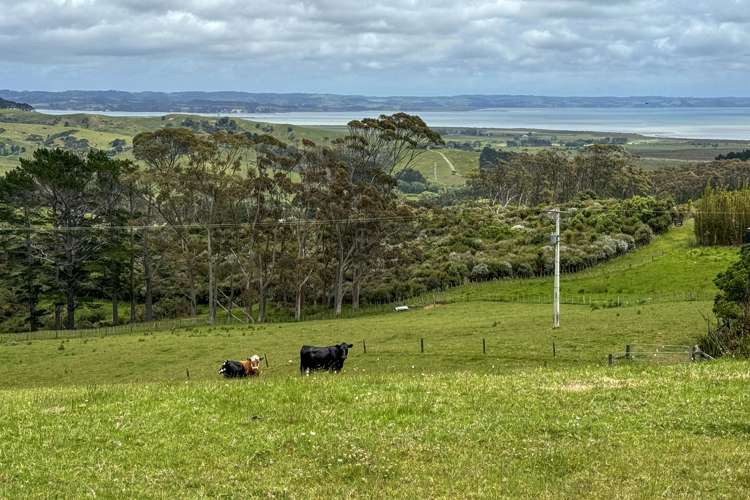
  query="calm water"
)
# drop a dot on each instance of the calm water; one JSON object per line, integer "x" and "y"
{"x": 694, "y": 123}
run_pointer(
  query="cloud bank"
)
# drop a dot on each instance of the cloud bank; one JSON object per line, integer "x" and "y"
{"x": 562, "y": 47}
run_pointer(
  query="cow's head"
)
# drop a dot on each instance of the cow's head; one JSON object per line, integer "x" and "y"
{"x": 255, "y": 361}
{"x": 224, "y": 367}
{"x": 343, "y": 349}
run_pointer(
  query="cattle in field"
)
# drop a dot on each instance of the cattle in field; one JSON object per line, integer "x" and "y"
{"x": 249, "y": 367}
{"x": 329, "y": 358}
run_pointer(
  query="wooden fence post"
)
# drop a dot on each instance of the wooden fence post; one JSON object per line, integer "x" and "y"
{"x": 364, "y": 346}
{"x": 421, "y": 345}
{"x": 265, "y": 357}
{"x": 610, "y": 360}
{"x": 554, "y": 351}
{"x": 484, "y": 347}
{"x": 627, "y": 352}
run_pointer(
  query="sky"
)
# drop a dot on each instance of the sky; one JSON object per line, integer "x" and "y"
{"x": 380, "y": 47}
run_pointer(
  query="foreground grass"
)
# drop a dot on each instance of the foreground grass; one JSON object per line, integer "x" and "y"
{"x": 588, "y": 432}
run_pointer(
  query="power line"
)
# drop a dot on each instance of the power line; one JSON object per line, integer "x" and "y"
{"x": 322, "y": 222}
{"x": 221, "y": 225}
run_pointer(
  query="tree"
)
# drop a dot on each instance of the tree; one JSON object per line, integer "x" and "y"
{"x": 732, "y": 308}
{"x": 167, "y": 154}
{"x": 263, "y": 205}
{"x": 360, "y": 196}
{"x": 110, "y": 192}
{"x": 66, "y": 188}
{"x": 25, "y": 275}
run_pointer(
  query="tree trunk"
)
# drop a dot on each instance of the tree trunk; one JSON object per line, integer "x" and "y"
{"x": 192, "y": 292}
{"x": 148, "y": 278}
{"x": 30, "y": 286}
{"x": 339, "y": 289}
{"x": 298, "y": 304}
{"x": 356, "y": 284}
{"x": 70, "y": 313}
{"x": 211, "y": 281}
{"x": 115, "y": 310}
{"x": 58, "y": 316}
{"x": 262, "y": 291}
{"x": 248, "y": 300}
{"x": 132, "y": 279}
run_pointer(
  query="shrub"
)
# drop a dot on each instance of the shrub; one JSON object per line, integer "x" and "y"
{"x": 643, "y": 234}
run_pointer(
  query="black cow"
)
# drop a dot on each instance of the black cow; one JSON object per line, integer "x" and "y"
{"x": 232, "y": 369}
{"x": 323, "y": 358}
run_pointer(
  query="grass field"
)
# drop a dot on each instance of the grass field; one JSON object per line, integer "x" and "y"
{"x": 671, "y": 268}
{"x": 146, "y": 415}
{"x": 626, "y": 432}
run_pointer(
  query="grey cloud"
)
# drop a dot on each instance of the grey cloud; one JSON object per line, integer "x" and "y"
{"x": 434, "y": 46}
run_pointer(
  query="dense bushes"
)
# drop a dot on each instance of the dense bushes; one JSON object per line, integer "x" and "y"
{"x": 477, "y": 242}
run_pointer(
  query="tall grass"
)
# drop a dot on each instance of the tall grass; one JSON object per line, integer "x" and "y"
{"x": 722, "y": 217}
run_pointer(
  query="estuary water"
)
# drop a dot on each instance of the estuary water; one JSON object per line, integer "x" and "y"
{"x": 692, "y": 123}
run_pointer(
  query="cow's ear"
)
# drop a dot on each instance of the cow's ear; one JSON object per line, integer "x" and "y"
{"x": 349, "y": 345}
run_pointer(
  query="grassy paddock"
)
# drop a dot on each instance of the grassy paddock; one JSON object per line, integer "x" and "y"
{"x": 670, "y": 268}
{"x": 621, "y": 432}
{"x": 516, "y": 336}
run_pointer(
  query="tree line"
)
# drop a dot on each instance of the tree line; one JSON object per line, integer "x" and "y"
{"x": 551, "y": 176}
{"x": 600, "y": 170}
{"x": 229, "y": 220}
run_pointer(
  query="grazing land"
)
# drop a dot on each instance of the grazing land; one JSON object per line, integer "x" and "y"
{"x": 671, "y": 268}
{"x": 584, "y": 432}
{"x": 132, "y": 415}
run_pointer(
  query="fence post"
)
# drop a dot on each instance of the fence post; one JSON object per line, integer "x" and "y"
{"x": 484, "y": 347}
{"x": 627, "y": 351}
{"x": 187, "y": 372}
{"x": 554, "y": 352}
{"x": 364, "y": 346}
{"x": 610, "y": 360}
{"x": 265, "y": 357}
{"x": 421, "y": 345}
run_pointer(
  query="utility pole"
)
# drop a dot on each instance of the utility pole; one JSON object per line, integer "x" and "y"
{"x": 555, "y": 240}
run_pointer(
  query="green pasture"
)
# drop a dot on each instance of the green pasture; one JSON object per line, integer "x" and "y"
{"x": 580, "y": 432}
{"x": 472, "y": 394}
{"x": 670, "y": 268}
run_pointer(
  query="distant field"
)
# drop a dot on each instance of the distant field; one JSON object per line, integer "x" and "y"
{"x": 436, "y": 170}
{"x": 33, "y": 130}
{"x": 30, "y": 130}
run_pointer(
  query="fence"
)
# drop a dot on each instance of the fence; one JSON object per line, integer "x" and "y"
{"x": 441, "y": 297}
{"x": 659, "y": 353}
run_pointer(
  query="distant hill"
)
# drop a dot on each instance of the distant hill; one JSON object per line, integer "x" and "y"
{"x": 227, "y": 102}
{"x": 14, "y": 105}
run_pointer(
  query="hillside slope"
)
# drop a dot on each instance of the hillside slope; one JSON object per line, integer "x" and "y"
{"x": 670, "y": 268}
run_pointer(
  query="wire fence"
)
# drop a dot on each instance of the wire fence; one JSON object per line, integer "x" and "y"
{"x": 445, "y": 297}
